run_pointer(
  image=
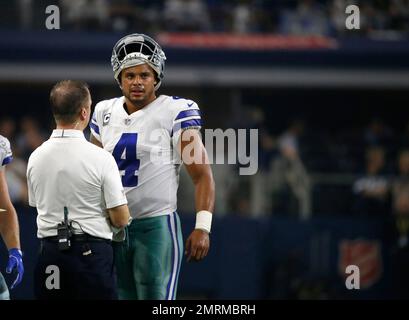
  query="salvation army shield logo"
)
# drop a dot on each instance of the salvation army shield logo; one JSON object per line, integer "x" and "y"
{"x": 366, "y": 254}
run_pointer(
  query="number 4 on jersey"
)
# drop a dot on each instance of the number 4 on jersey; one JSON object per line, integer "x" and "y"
{"x": 125, "y": 156}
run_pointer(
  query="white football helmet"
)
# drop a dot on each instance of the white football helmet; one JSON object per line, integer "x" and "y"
{"x": 136, "y": 49}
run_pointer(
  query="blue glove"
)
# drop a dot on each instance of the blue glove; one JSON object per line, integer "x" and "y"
{"x": 15, "y": 261}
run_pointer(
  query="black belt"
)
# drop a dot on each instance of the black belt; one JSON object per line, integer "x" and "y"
{"x": 78, "y": 238}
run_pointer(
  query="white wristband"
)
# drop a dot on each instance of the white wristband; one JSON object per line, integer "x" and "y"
{"x": 204, "y": 220}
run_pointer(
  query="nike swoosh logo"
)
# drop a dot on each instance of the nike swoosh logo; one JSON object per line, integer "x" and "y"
{"x": 190, "y": 104}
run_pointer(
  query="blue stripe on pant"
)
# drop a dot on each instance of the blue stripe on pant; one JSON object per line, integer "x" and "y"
{"x": 176, "y": 256}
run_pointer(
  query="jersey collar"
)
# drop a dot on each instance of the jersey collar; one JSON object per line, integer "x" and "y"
{"x": 67, "y": 133}
{"x": 121, "y": 103}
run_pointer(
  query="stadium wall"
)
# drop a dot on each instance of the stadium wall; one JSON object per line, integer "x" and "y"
{"x": 270, "y": 258}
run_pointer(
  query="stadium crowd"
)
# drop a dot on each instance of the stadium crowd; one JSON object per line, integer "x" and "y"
{"x": 379, "y": 18}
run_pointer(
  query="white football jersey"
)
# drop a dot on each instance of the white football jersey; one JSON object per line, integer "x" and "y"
{"x": 5, "y": 152}
{"x": 144, "y": 147}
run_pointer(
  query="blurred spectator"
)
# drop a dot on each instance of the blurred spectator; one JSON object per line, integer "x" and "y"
{"x": 337, "y": 16}
{"x": 371, "y": 19}
{"x": 260, "y": 203}
{"x": 267, "y": 149}
{"x": 308, "y": 18}
{"x": 372, "y": 190}
{"x": 85, "y": 14}
{"x": 131, "y": 15}
{"x": 404, "y": 139}
{"x": 290, "y": 182}
{"x": 225, "y": 179}
{"x": 8, "y": 129}
{"x": 30, "y": 136}
{"x": 400, "y": 194}
{"x": 123, "y": 15}
{"x": 260, "y": 195}
{"x": 16, "y": 179}
{"x": 400, "y": 188}
{"x": 255, "y": 118}
{"x": 267, "y": 16}
{"x": 288, "y": 141}
{"x": 26, "y": 13}
{"x": 377, "y": 133}
{"x": 399, "y": 15}
{"x": 241, "y": 198}
{"x": 186, "y": 16}
{"x": 16, "y": 170}
{"x": 243, "y": 18}
{"x": 249, "y": 195}
{"x": 234, "y": 191}
{"x": 220, "y": 13}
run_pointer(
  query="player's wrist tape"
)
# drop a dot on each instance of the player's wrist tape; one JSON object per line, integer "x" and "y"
{"x": 204, "y": 220}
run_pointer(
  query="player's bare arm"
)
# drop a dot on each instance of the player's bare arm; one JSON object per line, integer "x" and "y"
{"x": 95, "y": 141}
{"x": 198, "y": 243}
{"x": 9, "y": 228}
{"x": 119, "y": 216}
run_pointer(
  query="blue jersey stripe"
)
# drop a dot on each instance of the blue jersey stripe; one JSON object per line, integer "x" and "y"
{"x": 191, "y": 123}
{"x": 186, "y": 124}
{"x": 94, "y": 127}
{"x": 188, "y": 113}
{"x": 7, "y": 160}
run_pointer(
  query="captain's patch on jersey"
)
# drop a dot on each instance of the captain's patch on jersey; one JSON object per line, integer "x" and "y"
{"x": 106, "y": 118}
{"x": 3, "y": 146}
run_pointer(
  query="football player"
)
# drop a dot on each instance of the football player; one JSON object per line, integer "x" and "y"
{"x": 148, "y": 135}
{"x": 9, "y": 228}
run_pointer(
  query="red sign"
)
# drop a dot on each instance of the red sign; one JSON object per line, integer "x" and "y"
{"x": 366, "y": 255}
{"x": 245, "y": 42}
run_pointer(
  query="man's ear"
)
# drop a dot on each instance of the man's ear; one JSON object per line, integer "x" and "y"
{"x": 83, "y": 113}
